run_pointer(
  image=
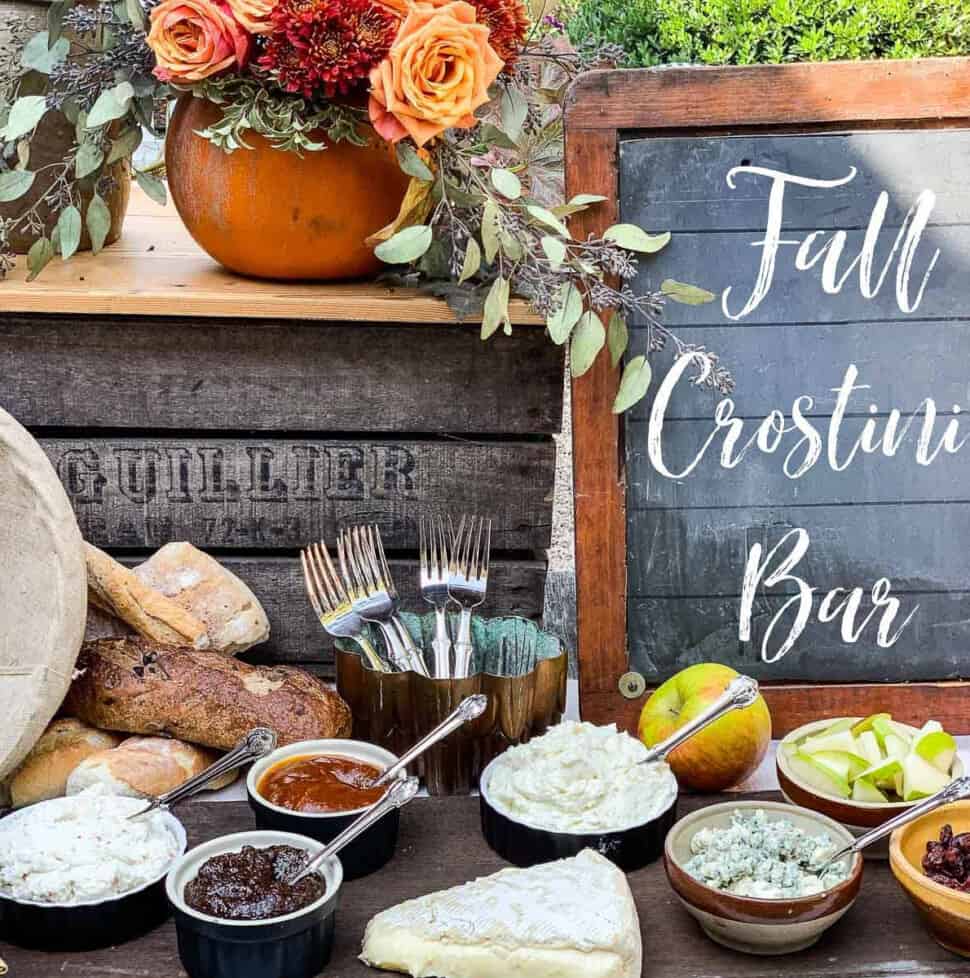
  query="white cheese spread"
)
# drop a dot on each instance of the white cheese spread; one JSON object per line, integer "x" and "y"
{"x": 83, "y": 848}
{"x": 580, "y": 778}
{"x": 768, "y": 859}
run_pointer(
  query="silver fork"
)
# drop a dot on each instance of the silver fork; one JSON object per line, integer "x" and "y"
{"x": 467, "y": 581}
{"x": 368, "y": 578}
{"x": 433, "y": 552}
{"x": 332, "y": 603}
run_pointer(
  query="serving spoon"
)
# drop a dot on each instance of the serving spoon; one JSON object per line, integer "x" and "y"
{"x": 259, "y": 742}
{"x": 469, "y": 708}
{"x": 397, "y": 796}
{"x": 954, "y": 791}
{"x": 739, "y": 693}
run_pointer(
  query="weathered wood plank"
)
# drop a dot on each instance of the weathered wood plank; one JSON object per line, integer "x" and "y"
{"x": 277, "y": 376}
{"x": 759, "y": 479}
{"x": 793, "y": 705}
{"x": 858, "y": 94}
{"x": 667, "y": 634}
{"x": 730, "y": 259}
{"x": 514, "y": 588}
{"x": 271, "y": 494}
{"x": 679, "y": 184}
{"x": 934, "y": 354}
{"x": 704, "y": 551}
{"x": 441, "y": 846}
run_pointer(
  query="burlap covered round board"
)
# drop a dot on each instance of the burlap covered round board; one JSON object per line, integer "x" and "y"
{"x": 43, "y": 592}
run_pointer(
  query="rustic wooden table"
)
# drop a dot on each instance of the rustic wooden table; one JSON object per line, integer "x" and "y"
{"x": 441, "y": 845}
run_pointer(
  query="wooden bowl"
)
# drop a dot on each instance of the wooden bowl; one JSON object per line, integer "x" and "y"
{"x": 945, "y": 912}
{"x": 752, "y": 924}
{"x": 857, "y": 816}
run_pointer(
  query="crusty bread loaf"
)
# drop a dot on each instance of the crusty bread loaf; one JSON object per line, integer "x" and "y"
{"x": 115, "y": 589}
{"x": 62, "y": 746}
{"x": 233, "y": 618}
{"x": 145, "y": 766}
{"x": 207, "y": 698}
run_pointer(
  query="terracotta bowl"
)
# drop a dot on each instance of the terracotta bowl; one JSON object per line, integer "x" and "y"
{"x": 751, "y": 924}
{"x": 945, "y": 912}
{"x": 857, "y": 816}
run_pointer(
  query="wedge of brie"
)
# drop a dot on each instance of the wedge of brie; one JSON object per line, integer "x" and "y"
{"x": 574, "y": 918}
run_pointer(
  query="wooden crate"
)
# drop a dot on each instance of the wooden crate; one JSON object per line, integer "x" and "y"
{"x": 179, "y": 402}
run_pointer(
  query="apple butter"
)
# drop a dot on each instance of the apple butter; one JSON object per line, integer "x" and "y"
{"x": 321, "y": 784}
{"x": 251, "y": 884}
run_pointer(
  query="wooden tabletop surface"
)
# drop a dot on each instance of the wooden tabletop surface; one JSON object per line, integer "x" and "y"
{"x": 156, "y": 269}
{"x": 441, "y": 845}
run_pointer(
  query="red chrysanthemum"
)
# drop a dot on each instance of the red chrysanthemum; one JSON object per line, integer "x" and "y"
{"x": 327, "y": 47}
{"x": 508, "y": 24}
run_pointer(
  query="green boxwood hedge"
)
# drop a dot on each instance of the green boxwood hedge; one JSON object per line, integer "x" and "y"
{"x": 741, "y": 32}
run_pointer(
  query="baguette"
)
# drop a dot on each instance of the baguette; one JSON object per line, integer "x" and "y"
{"x": 233, "y": 618}
{"x": 45, "y": 770}
{"x": 115, "y": 589}
{"x": 138, "y": 686}
{"x": 145, "y": 766}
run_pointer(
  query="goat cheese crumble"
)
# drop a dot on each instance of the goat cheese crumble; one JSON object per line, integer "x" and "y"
{"x": 758, "y": 857}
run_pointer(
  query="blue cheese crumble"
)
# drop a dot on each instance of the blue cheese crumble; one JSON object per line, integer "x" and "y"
{"x": 755, "y": 857}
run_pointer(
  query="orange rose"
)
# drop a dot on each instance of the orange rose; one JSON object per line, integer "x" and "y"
{"x": 194, "y": 39}
{"x": 435, "y": 75}
{"x": 254, "y": 15}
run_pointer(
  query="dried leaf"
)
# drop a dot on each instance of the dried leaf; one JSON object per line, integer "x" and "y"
{"x": 415, "y": 207}
{"x": 111, "y": 104}
{"x": 547, "y": 218}
{"x": 69, "y": 231}
{"x": 152, "y": 186}
{"x": 587, "y": 341}
{"x": 554, "y": 248}
{"x": 406, "y": 246}
{"x": 689, "y": 295}
{"x": 41, "y": 252}
{"x": 491, "y": 220}
{"x": 561, "y": 322}
{"x": 617, "y": 338}
{"x": 496, "y": 308}
{"x": 633, "y": 384}
{"x": 514, "y": 110}
{"x": 14, "y": 184}
{"x": 412, "y": 164}
{"x": 506, "y": 183}
{"x": 98, "y": 220}
{"x": 472, "y": 262}
{"x": 24, "y": 115}
{"x": 634, "y": 238}
{"x": 125, "y": 145}
{"x": 581, "y": 200}
{"x": 89, "y": 158}
{"x": 39, "y": 54}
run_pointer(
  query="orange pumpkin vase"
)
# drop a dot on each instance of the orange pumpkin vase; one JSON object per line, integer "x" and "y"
{"x": 274, "y": 214}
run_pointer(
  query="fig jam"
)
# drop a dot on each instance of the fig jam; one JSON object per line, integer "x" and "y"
{"x": 251, "y": 884}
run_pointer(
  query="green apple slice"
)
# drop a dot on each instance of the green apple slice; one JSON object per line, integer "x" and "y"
{"x": 931, "y": 726}
{"x": 865, "y": 790}
{"x": 898, "y": 783}
{"x": 920, "y": 778}
{"x": 841, "y": 741}
{"x": 866, "y": 725}
{"x": 839, "y": 726}
{"x": 883, "y": 775}
{"x": 896, "y": 746}
{"x": 882, "y": 727}
{"x": 818, "y": 776}
{"x": 937, "y": 747}
{"x": 846, "y": 765}
{"x": 869, "y": 747}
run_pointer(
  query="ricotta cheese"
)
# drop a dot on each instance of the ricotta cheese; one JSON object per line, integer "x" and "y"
{"x": 580, "y": 778}
{"x": 758, "y": 857}
{"x": 573, "y": 917}
{"x": 83, "y": 848}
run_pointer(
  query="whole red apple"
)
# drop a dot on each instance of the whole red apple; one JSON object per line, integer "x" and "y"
{"x": 722, "y": 754}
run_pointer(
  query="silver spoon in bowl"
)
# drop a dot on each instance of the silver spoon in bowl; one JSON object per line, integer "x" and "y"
{"x": 740, "y": 693}
{"x": 954, "y": 791}
{"x": 259, "y": 742}
{"x": 469, "y": 708}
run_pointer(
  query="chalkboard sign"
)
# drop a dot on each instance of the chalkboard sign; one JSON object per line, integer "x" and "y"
{"x": 813, "y": 525}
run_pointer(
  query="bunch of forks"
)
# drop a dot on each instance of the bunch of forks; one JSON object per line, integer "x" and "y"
{"x": 358, "y": 588}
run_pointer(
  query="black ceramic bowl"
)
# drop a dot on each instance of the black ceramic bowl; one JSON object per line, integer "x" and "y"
{"x": 91, "y": 924}
{"x": 370, "y": 850}
{"x": 297, "y": 945}
{"x": 527, "y": 845}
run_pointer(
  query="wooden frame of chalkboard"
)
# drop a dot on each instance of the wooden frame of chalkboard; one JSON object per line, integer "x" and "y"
{"x": 606, "y": 107}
